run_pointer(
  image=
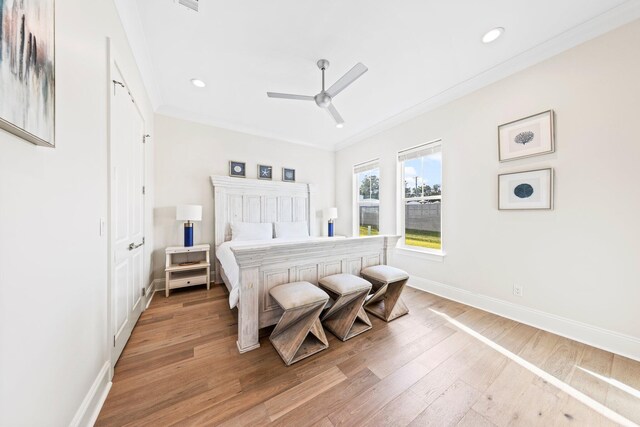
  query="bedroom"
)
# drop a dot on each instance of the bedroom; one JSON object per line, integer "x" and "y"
{"x": 522, "y": 305}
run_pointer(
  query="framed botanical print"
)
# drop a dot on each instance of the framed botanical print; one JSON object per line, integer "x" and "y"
{"x": 531, "y": 136}
{"x": 27, "y": 70}
{"x": 265, "y": 172}
{"x": 526, "y": 190}
{"x": 288, "y": 175}
{"x": 237, "y": 169}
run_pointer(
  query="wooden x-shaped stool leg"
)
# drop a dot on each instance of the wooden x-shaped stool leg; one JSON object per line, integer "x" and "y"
{"x": 299, "y": 333}
{"x": 386, "y": 302}
{"x": 346, "y": 317}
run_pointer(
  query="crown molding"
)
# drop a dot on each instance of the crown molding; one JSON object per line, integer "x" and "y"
{"x": 597, "y": 26}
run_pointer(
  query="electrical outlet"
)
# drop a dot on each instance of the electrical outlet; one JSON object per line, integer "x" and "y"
{"x": 518, "y": 290}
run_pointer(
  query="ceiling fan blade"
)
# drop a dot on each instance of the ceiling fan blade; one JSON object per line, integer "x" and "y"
{"x": 344, "y": 81}
{"x": 334, "y": 113}
{"x": 289, "y": 96}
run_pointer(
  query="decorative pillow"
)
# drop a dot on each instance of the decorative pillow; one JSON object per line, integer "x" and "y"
{"x": 251, "y": 231}
{"x": 292, "y": 229}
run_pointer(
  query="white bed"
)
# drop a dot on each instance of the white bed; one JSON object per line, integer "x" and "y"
{"x": 250, "y": 269}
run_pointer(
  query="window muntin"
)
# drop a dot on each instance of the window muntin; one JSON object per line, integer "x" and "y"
{"x": 422, "y": 197}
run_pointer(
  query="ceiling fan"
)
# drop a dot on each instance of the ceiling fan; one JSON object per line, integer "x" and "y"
{"x": 325, "y": 97}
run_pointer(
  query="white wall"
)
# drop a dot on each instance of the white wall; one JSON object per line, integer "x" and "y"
{"x": 188, "y": 153}
{"x": 53, "y": 263}
{"x": 580, "y": 261}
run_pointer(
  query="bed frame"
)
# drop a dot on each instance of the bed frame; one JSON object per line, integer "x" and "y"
{"x": 264, "y": 266}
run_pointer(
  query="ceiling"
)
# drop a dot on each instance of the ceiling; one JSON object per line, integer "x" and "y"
{"x": 419, "y": 53}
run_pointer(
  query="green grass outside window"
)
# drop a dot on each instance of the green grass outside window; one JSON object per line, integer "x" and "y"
{"x": 423, "y": 239}
{"x": 365, "y": 232}
{"x": 419, "y": 238}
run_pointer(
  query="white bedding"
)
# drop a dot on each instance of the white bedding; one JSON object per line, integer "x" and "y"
{"x": 227, "y": 259}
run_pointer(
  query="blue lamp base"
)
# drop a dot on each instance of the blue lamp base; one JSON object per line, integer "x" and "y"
{"x": 188, "y": 234}
{"x": 330, "y": 231}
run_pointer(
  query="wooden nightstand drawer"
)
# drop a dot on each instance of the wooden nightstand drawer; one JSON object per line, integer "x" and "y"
{"x": 188, "y": 281}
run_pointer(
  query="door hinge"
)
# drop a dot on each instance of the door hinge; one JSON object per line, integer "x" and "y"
{"x": 144, "y": 292}
{"x": 144, "y": 190}
{"x": 114, "y": 340}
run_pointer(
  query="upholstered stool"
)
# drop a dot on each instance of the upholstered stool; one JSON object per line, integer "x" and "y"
{"x": 299, "y": 333}
{"x": 388, "y": 283}
{"x": 345, "y": 317}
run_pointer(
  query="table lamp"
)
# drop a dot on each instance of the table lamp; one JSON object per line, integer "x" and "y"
{"x": 331, "y": 214}
{"x": 188, "y": 213}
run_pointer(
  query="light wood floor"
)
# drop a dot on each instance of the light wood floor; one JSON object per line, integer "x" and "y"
{"x": 181, "y": 367}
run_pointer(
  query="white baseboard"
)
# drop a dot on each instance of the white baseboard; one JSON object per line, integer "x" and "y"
{"x": 624, "y": 345}
{"x": 88, "y": 412}
{"x": 150, "y": 291}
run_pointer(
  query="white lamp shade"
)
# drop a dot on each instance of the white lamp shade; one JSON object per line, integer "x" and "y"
{"x": 331, "y": 213}
{"x": 189, "y": 213}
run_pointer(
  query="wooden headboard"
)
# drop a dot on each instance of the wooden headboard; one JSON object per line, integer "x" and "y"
{"x": 254, "y": 200}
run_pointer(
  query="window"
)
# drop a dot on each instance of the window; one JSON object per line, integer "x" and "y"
{"x": 421, "y": 181}
{"x": 367, "y": 199}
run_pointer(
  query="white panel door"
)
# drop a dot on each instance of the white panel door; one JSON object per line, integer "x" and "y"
{"x": 127, "y": 214}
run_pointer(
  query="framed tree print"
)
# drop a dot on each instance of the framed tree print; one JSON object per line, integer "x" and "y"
{"x": 27, "y": 70}
{"x": 531, "y": 136}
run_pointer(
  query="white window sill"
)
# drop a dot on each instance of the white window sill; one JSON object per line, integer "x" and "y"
{"x": 423, "y": 254}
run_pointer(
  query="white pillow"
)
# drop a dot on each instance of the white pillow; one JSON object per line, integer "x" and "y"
{"x": 292, "y": 229}
{"x": 251, "y": 231}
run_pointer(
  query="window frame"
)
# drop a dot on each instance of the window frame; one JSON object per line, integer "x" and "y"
{"x": 373, "y": 164}
{"x": 402, "y": 199}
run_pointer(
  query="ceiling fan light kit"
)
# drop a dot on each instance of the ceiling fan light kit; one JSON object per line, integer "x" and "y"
{"x": 324, "y": 99}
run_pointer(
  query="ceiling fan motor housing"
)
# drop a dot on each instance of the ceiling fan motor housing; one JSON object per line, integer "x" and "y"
{"x": 322, "y": 99}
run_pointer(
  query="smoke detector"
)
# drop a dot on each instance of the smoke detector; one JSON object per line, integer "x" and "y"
{"x": 189, "y": 4}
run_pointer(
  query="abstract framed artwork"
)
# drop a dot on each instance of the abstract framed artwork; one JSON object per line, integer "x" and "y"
{"x": 531, "y": 136}
{"x": 237, "y": 169}
{"x": 27, "y": 70}
{"x": 288, "y": 175}
{"x": 265, "y": 172}
{"x": 528, "y": 190}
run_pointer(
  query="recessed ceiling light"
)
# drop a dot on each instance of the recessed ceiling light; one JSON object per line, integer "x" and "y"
{"x": 198, "y": 83}
{"x": 492, "y": 35}
{"x": 340, "y": 125}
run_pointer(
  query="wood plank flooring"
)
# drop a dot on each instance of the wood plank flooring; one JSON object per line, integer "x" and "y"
{"x": 444, "y": 364}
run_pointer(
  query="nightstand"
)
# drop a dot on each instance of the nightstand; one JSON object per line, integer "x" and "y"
{"x": 187, "y": 266}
